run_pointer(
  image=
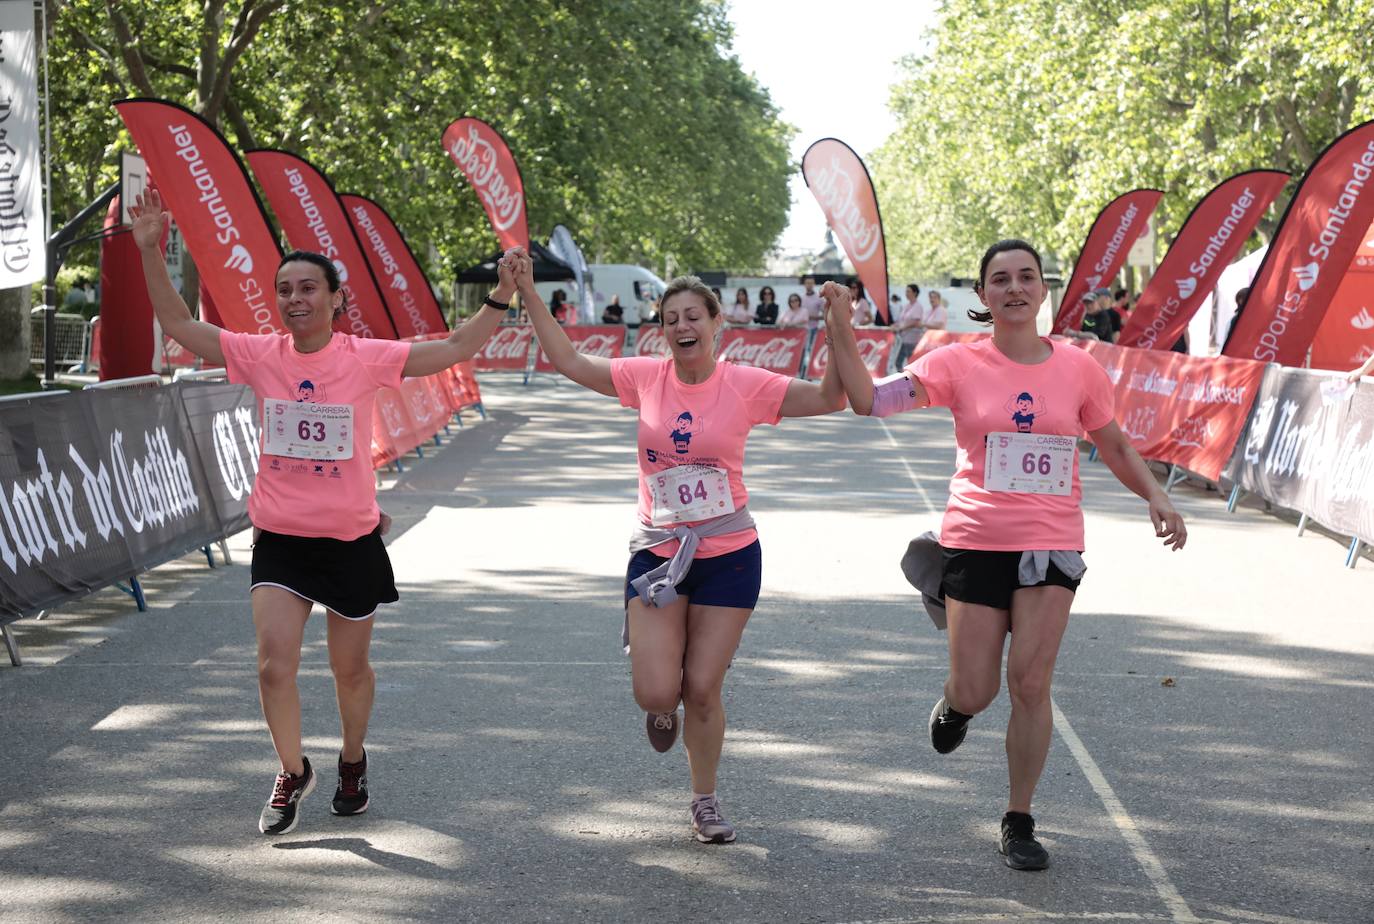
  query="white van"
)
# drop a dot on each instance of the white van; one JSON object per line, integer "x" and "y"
{"x": 637, "y": 287}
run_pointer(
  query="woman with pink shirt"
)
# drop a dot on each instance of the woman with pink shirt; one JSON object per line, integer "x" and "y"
{"x": 739, "y": 314}
{"x": 317, "y": 527}
{"x": 795, "y": 315}
{"x": 696, "y": 565}
{"x": 1012, "y": 535}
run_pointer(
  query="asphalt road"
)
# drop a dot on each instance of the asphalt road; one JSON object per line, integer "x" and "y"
{"x": 1212, "y": 757}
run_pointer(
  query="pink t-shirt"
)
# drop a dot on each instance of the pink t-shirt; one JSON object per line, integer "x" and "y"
{"x": 703, "y": 424}
{"x": 334, "y": 498}
{"x": 989, "y": 393}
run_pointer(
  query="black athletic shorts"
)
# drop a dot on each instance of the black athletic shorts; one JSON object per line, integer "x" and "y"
{"x": 990, "y": 578}
{"x": 349, "y": 577}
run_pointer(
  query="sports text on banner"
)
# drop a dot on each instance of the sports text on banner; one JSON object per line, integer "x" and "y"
{"x": 1116, "y": 228}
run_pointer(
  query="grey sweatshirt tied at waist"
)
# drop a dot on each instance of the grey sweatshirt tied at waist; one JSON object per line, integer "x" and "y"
{"x": 659, "y": 586}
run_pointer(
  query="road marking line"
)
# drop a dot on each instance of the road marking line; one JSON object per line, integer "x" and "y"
{"x": 1154, "y": 870}
{"x": 925, "y": 498}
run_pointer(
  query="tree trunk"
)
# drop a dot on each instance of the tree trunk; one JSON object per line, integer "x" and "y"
{"x": 14, "y": 333}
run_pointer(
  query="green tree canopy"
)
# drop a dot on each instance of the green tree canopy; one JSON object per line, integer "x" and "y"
{"x": 632, "y": 122}
{"x": 1025, "y": 117}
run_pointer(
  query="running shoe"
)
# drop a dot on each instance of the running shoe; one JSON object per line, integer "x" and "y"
{"x": 947, "y": 727}
{"x": 1018, "y": 844}
{"x": 282, "y": 811}
{"x": 662, "y": 729}
{"x": 708, "y": 824}
{"x": 350, "y": 796}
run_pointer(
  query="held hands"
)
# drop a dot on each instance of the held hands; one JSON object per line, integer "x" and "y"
{"x": 150, "y": 219}
{"x": 839, "y": 305}
{"x": 517, "y": 267}
{"x": 1168, "y": 523}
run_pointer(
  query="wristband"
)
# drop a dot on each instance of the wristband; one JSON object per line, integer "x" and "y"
{"x": 493, "y": 303}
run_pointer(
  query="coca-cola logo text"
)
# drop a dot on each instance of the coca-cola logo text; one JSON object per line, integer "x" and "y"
{"x": 835, "y": 188}
{"x": 479, "y": 160}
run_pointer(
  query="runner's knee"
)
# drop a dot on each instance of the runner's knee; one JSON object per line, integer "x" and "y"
{"x": 971, "y": 695}
{"x": 276, "y": 670}
{"x": 656, "y": 696}
{"x": 1028, "y": 687}
{"x": 699, "y": 697}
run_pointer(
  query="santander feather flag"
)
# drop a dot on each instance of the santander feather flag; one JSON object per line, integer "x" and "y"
{"x": 1209, "y": 239}
{"x": 313, "y": 218}
{"x": 403, "y": 283}
{"x": 207, "y": 191}
{"x": 1346, "y": 336}
{"x": 485, "y": 159}
{"x": 1117, "y": 227}
{"x": 840, "y": 182}
{"x": 1313, "y": 247}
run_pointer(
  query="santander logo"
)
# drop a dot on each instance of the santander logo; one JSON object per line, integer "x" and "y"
{"x": 240, "y": 259}
{"x": 1363, "y": 320}
{"x": 342, "y": 270}
{"x": 1307, "y": 275}
{"x": 835, "y": 188}
{"x": 1186, "y": 287}
{"x": 477, "y": 158}
{"x": 399, "y": 282}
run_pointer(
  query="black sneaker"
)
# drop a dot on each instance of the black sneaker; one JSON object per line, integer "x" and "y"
{"x": 350, "y": 796}
{"x": 662, "y": 729}
{"x": 1019, "y": 845}
{"x": 282, "y": 811}
{"x": 947, "y": 727}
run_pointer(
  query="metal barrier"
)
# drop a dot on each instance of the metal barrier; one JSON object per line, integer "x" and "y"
{"x": 200, "y": 375}
{"x": 71, "y": 337}
{"x": 138, "y": 381}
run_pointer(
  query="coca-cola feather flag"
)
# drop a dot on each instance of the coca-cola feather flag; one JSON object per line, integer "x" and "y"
{"x": 840, "y": 182}
{"x": 1313, "y": 247}
{"x": 1209, "y": 239}
{"x": 404, "y": 285}
{"x": 313, "y": 218}
{"x": 1117, "y": 227}
{"x": 222, "y": 222}
{"x": 485, "y": 159}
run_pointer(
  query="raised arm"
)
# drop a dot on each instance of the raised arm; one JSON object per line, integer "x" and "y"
{"x": 431, "y": 356}
{"x": 592, "y": 372}
{"x": 150, "y": 220}
{"x": 811, "y": 399}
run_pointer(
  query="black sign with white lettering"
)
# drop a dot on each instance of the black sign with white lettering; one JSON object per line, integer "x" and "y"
{"x": 1309, "y": 446}
{"x": 99, "y": 485}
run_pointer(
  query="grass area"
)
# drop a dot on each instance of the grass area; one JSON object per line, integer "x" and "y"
{"x": 29, "y": 383}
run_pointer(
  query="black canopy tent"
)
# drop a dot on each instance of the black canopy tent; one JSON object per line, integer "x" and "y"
{"x": 547, "y": 268}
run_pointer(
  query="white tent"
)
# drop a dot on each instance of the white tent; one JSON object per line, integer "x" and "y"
{"x": 1207, "y": 330}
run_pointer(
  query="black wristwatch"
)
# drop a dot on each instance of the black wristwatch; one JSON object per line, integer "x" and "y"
{"x": 493, "y": 303}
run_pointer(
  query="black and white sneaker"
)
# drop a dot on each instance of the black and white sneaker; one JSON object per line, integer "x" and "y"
{"x": 282, "y": 811}
{"x": 947, "y": 727}
{"x": 1018, "y": 844}
{"x": 350, "y": 796}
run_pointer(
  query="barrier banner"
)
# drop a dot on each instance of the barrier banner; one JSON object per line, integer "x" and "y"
{"x": 1207, "y": 242}
{"x": 313, "y": 218}
{"x": 607, "y": 340}
{"x": 485, "y": 159}
{"x": 1116, "y": 228}
{"x": 778, "y": 349}
{"x": 1313, "y": 247}
{"x": 934, "y": 339}
{"x": 408, "y": 294}
{"x": 507, "y": 350}
{"x": 1185, "y": 410}
{"x": 840, "y": 182}
{"x": 99, "y": 485}
{"x": 221, "y": 219}
{"x": 23, "y": 245}
{"x": 1310, "y": 447}
{"x": 1346, "y": 336}
{"x": 467, "y": 381}
{"x": 651, "y": 341}
{"x": 875, "y": 346}
{"x": 393, "y": 432}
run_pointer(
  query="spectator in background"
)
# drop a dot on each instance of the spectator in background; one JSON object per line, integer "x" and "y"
{"x": 1105, "y": 305}
{"x": 811, "y": 303}
{"x": 1122, "y": 303}
{"x": 715, "y": 290}
{"x": 908, "y": 324}
{"x": 738, "y": 314}
{"x": 937, "y": 315}
{"x": 1096, "y": 325}
{"x": 767, "y": 311}
{"x": 863, "y": 308}
{"x": 1242, "y": 295}
{"x": 562, "y": 309}
{"x": 614, "y": 313}
{"x": 795, "y": 315}
{"x": 75, "y": 301}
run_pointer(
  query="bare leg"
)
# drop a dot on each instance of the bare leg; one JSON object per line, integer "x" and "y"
{"x": 713, "y": 634}
{"x": 658, "y": 639}
{"x": 977, "y": 635}
{"x": 355, "y": 683}
{"x": 279, "y": 617}
{"x": 1040, "y": 614}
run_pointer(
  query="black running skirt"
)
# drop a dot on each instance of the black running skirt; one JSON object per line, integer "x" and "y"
{"x": 350, "y": 578}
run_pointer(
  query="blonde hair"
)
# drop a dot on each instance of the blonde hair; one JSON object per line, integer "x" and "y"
{"x": 694, "y": 285}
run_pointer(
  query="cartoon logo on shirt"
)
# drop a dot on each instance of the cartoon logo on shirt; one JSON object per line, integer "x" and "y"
{"x": 1024, "y": 409}
{"x": 681, "y": 429}
{"x": 308, "y": 392}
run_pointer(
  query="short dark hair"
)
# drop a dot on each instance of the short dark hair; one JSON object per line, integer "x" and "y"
{"x": 1006, "y": 245}
{"x": 326, "y": 265}
{"x": 1120, "y": 294}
